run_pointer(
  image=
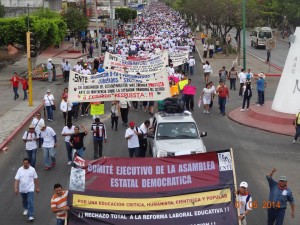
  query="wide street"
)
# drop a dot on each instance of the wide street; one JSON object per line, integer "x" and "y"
{"x": 255, "y": 152}
{"x": 278, "y": 55}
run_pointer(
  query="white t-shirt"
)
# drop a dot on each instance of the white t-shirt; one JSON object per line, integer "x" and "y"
{"x": 144, "y": 129}
{"x": 26, "y": 179}
{"x": 48, "y": 99}
{"x": 86, "y": 72}
{"x": 133, "y": 142}
{"x": 67, "y": 130}
{"x": 192, "y": 62}
{"x": 242, "y": 203}
{"x": 36, "y": 123}
{"x": 47, "y": 135}
{"x": 30, "y": 140}
{"x": 242, "y": 77}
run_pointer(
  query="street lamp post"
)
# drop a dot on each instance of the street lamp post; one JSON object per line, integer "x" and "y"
{"x": 244, "y": 32}
{"x": 30, "y": 102}
{"x": 98, "y": 32}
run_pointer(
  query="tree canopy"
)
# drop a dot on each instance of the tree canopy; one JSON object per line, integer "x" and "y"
{"x": 76, "y": 20}
{"x": 2, "y": 10}
{"x": 125, "y": 14}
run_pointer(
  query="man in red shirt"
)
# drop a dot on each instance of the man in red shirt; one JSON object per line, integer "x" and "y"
{"x": 15, "y": 83}
{"x": 223, "y": 93}
{"x": 24, "y": 86}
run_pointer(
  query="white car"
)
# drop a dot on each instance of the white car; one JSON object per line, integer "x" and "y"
{"x": 175, "y": 134}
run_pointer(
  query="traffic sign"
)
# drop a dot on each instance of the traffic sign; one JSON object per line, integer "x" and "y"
{"x": 271, "y": 44}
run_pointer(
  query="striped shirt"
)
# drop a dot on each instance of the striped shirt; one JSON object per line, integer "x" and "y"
{"x": 59, "y": 202}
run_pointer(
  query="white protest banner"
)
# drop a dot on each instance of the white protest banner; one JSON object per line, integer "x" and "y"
{"x": 179, "y": 58}
{"x": 111, "y": 85}
{"x": 142, "y": 66}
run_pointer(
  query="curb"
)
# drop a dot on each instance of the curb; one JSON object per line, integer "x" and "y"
{"x": 3, "y": 145}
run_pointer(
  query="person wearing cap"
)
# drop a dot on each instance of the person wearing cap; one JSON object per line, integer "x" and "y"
{"x": 279, "y": 195}
{"x": 260, "y": 86}
{"x": 49, "y": 142}
{"x": 30, "y": 138}
{"x": 244, "y": 202}
{"x": 48, "y": 102}
{"x": 131, "y": 135}
{"x": 49, "y": 68}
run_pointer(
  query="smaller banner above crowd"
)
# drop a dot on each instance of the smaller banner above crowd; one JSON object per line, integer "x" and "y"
{"x": 132, "y": 66}
{"x": 112, "y": 85}
{"x": 179, "y": 58}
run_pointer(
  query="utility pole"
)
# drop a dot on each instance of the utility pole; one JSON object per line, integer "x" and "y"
{"x": 112, "y": 22}
{"x": 244, "y": 34}
{"x": 98, "y": 32}
{"x": 30, "y": 102}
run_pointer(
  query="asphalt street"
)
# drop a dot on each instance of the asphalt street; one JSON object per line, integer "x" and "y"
{"x": 278, "y": 55}
{"x": 255, "y": 152}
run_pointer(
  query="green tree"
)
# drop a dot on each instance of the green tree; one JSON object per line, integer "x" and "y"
{"x": 76, "y": 20}
{"x": 126, "y": 14}
{"x": 45, "y": 13}
{"x": 2, "y": 10}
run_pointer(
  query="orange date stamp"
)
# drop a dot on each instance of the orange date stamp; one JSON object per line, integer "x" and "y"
{"x": 255, "y": 204}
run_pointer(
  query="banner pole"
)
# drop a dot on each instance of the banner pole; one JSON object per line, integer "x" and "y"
{"x": 235, "y": 186}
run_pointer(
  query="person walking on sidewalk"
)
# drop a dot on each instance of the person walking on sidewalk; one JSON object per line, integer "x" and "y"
{"x": 297, "y": 127}
{"x": 247, "y": 95}
{"x": 207, "y": 71}
{"x": 232, "y": 76}
{"x": 99, "y": 135}
{"x": 279, "y": 195}
{"x": 242, "y": 77}
{"x": 15, "y": 84}
{"x": 24, "y": 87}
{"x": 67, "y": 68}
{"x": 30, "y": 138}
{"x": 244, "y": 202}
{"x": 26, "y": 182}
{"x": 59, "y": 204}
{"x": 205, "y": 48}
{"x": 260, "y": 86}
{"x": 67, "y": 131}
{"x": 223, "y": 93}
{"x": 49, "y": 69}
{"x": 211, "y": 48}
{"x": 48, "y": 102}
{"x": 49, "y": 142}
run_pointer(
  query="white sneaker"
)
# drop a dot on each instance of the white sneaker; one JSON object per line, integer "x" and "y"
{"x": 25, "y": 212}
{"x": 242, "y": 110}
{"x": 30, "y": 218}
{"x": 258, "y": 105}
{"x": 70, "y": 162}
{"x": 207, "y": 111}
{"x": 247, "y": 109}
{"x": 294, "y": 141}
{"x": 204, "y": 111}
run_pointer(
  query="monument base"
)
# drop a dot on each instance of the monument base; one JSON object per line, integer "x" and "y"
{"x": 264, "y": 118}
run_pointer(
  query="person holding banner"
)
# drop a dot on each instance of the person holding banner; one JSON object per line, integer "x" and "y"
{"x": 244, "y": 202}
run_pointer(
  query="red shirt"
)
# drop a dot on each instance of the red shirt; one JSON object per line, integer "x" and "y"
{"x": 24, "y": 84}
{"x": 223, "y": 92}
{"x": 15, "y": 81}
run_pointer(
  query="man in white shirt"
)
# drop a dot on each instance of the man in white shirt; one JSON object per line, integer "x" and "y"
{"x": 49, "y": 142}
{"x": 66, "y": 108}
{"x": 242, "y": 77}
{"x": 77, "y": 68}
{"x": 205, "y": 48}
{"x": 67, "y": 68}
{"x": 37, "y": 120}
{"x": 171, "y": 70}
{"x": 85, "y": 70}
{"x": 192, "y": 64}
{"x": 67, "y": 131}
{"x": 63, "y": 62}
{"x": 26, "y": 182}
{"x": 144, "y": 128}
{"x": 49, "y": 69}
{"x": 131, "y": 135}
{"x": 244, "y": 202}
{"x": 30, "y": 137}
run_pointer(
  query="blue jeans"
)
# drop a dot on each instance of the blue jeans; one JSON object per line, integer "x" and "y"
{"x": 69, "y": 151}
{"x": 191, "y": 70}
{"x": 16, "y": 92}
{"x": 60, "y": 222}
{"x": 25, "y": 94}
{"x": 32, "y": 156}
{"x": 134, "y": 151}
{"x": 49, "y": 156}
{"x": 49, "y": 112}
{"x": 80, "y": 152}
{"x": 261, "y": 97}
{"x": 27, "y": 200}
{"x": 186, "y": 67}
{"x": 275, "y": 215}
{"x": 222, "y": 103}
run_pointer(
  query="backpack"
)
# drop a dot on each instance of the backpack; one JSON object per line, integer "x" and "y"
{"x": 34, "y": 134}
{"x": 142, "y": 140}
{"x": 173, "y": 105}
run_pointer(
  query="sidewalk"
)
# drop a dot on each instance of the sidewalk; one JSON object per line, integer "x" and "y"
{"x": 15, "y": 114}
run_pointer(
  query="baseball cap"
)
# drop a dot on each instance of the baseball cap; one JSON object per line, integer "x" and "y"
{"x": 48, "y": 90}
{"x": 42, "y": 125}
{"x": 49, "y": 60}
{"x": 244, "y": 184}
{"x": 282, "y": 178}
{"x": 131, "y": 124}
{"x": 31, "y": 126}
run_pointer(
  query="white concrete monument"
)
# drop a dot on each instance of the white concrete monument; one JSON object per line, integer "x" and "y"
{"x": 287, "y": 97}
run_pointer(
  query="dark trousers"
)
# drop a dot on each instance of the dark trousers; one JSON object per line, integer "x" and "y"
{"x": 222, "y": 103}
{"x": 66, "y": 75}
{"x": 84, "y": 106}
{"x": 75, "y": 110}
{"x": 297, "y": 132}
{"x": 16, "y": 92}
{"x": 275, "y": 215}
{"x": 98, "y": 146}
{"x": 25, "y": 93}
{"x": 211, "y": 53}
{"x": 134, "y": 152}
{"x": 114, "y": 122}
{"x": 192, "y": 70}
{"x": 67, "y": 117}
{"x": 69, "y": 151}
{"x": 143, "y": 147}
{"x": 135, "y": 104}
{"x": 246, "y": 100}
{"x": 241, "y": 89}
{"x": 211, "y": 103}
{"x": 205, "y": 54}
{"x": 232, "y": 83}
{"x": 261, "y": 97}
{"x": 124, "y": 115}
{"x": 189, "y": 102}
{"x": 186, "y": 67}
